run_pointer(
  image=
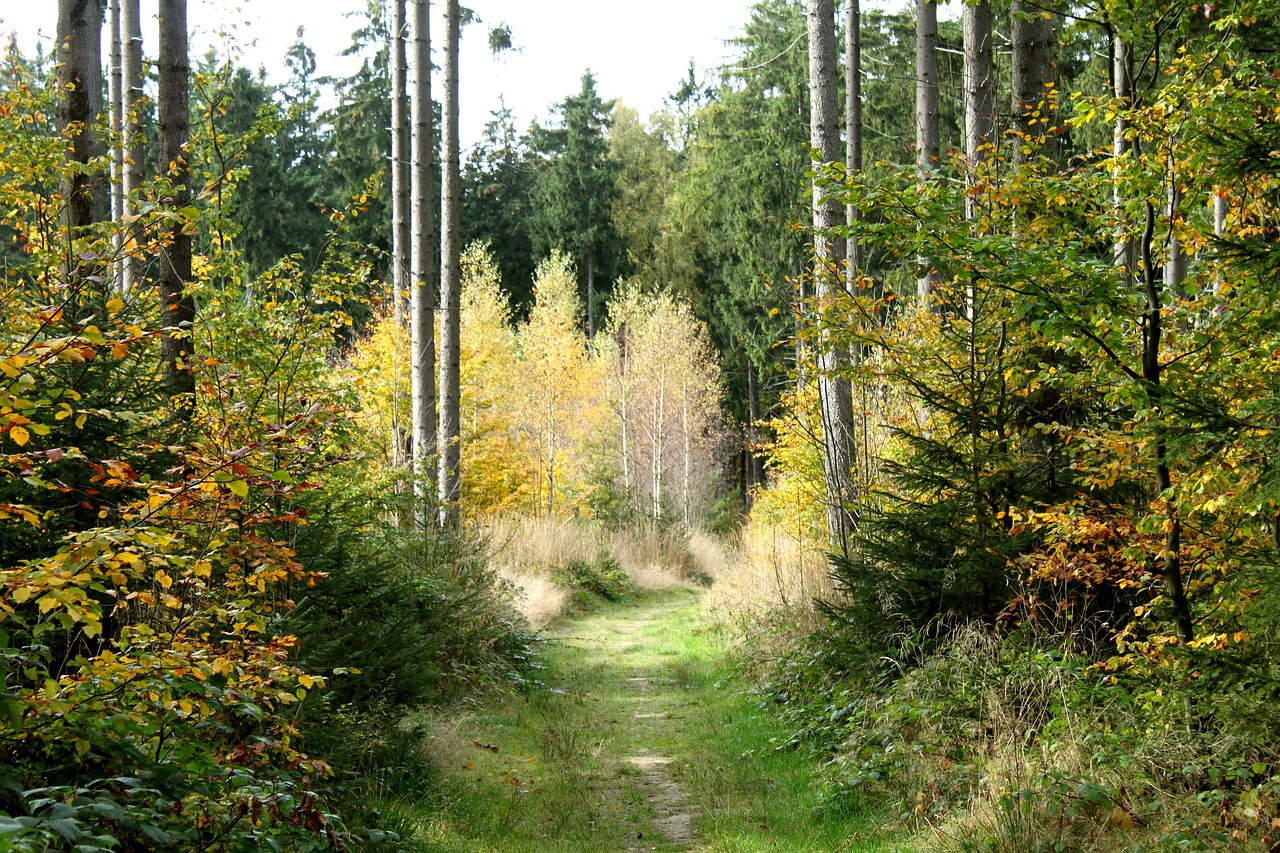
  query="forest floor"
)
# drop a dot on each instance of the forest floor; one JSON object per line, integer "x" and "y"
{"x": 643, "y": 736}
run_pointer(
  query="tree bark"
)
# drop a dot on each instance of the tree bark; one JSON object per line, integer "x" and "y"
{"x": 927, "y": 134}
{"x": 451, "y": 281}
{"x": 1034, "y": 117}
{"x": 400, "y": 168}
{"x": 1152, "y": 375}
{"x": 835, "y": 396}
{"x": 79, "y": 107}
{"x": 853, "y": 121}
{"x": 177, "y": 306}
{"x": 979, "y": 82}
{"x": 755, "y": 464}
{"x": 591, "y": 294}
{"x": 422, "y": 285}
{"x": 116, "y": 96}
{"x": 131, "y": 139}
{"x": 1122, "y": 89}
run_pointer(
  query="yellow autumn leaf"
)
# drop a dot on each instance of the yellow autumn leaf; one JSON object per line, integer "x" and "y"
{"x": 120, "y": 350}
{"x": 20, "y": 436}
{"x": 115, "y": 304}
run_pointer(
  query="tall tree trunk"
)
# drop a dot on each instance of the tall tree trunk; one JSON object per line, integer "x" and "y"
{"x": 1034, "y": 113}
{"x": 400, "y": 167}
{"x": 686, "y": 445}
{"x": 1122, "y": 89}
{"x": 451, "y": 280}
{"x": 79, "y": 108}
{"x": 591, "y": 294}
{"x": 131, "y": 138}
{"x": 422, "y": 285}
{"x": 834, "y": 393}
{"x": 116, "y": 96}
{"x": 755, "y": 462}
{"x": 1152, "y": 375}
{"x": 927, "y": 133}
{"x": 1175, "y": 265}
{"x": 1220, "y": 207}
{"x": 979, "y": 83}
{"x": 853, "y": 121}
{"x": 177, "y": 305}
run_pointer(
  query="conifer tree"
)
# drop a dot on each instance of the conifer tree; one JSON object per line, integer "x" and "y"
{"x": 451, "y": 279}
{"x": 833, "y": 389}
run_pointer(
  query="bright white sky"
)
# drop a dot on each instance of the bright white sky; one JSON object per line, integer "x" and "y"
{"x": 639, "y": 51}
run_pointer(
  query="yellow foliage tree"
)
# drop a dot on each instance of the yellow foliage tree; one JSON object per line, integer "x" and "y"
{"x": 557, "y": 400}
{"x": 498, "y": 459}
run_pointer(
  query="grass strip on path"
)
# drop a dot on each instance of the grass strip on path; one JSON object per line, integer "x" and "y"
{"x": 643, "y": 739}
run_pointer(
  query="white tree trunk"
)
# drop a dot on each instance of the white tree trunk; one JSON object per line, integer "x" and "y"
{"x": 834, "y": 392}
{"x": 422, "y": 284}
{"x": 131, "y": 138}
{"x": 451, "y": 280}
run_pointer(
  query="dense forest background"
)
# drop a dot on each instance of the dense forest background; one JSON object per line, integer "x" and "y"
{"x": 963, "y": 333}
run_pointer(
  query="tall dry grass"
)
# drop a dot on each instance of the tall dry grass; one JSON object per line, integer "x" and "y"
{"x": 528, "y": 552}
{"x": 770, "y": 570}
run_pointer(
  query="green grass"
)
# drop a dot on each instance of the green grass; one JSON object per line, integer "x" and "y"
{"x": 642, "y": 718}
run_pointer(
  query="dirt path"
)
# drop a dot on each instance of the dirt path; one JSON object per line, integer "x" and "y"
{"x": 652, "y": 699}
{"x": 643, "y": 738}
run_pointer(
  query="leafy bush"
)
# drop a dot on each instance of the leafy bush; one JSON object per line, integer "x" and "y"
{"x": 602, "y": 578}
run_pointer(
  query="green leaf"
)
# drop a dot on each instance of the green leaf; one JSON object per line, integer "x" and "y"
{"x": 239, "y": 487}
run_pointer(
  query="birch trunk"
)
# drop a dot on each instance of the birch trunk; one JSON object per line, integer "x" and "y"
{"x": 451, "y": 280}
{"x": 834, "y": 392}
{"x": 422, "y": 284}
{"x": 177, "y": 306}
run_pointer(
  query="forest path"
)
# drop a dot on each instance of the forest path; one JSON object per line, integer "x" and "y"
{"x": 644, "y": 738}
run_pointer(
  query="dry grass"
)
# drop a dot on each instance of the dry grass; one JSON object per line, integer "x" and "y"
{"x": 527, "y": 551}
{"x": 770, "y": 571}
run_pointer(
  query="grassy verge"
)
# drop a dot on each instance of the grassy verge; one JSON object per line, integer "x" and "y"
{"x": 642, "y": 739}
